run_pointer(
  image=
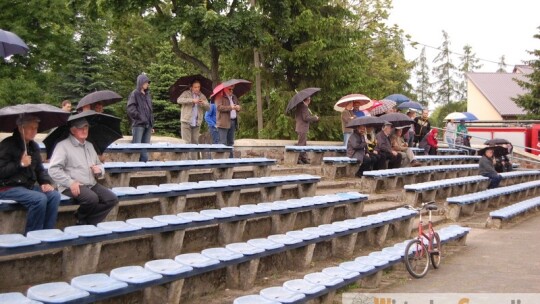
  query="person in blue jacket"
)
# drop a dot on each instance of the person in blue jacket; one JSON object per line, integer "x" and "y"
{"x": 210, "y": 118}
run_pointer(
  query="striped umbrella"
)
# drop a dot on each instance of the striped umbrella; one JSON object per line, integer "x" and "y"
{"x": 385, "y": 106}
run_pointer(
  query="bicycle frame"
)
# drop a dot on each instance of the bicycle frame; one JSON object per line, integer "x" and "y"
{"x": 430, "y": 232}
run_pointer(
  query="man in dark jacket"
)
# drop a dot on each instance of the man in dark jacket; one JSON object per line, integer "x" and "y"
{"x": 421, "y": 127}
{"x": 303, "y": 118}
{"x": 139, "y": 110}
{"x": 384, "y": 147}
{"x": 357, "y": 147}
{"x": 20, "y": 168}
{"x": 486, "y": 168}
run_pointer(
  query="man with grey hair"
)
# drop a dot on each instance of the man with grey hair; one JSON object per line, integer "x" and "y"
{"x": 74, "y": 167}
{"x": 21, "y": 168}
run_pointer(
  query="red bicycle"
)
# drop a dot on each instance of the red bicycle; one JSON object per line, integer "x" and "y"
{"x": 425, "y": 247}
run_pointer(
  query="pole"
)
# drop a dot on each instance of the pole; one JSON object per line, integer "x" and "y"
{"x": 258, "y": 91}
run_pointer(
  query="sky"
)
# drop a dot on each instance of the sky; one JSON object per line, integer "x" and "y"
{"x": 492, "y": 28}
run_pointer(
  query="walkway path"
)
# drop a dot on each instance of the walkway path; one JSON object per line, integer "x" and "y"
{"x": 494, "y": 261}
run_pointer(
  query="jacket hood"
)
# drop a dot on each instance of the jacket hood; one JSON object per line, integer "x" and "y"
{"x": 141, "y": 79}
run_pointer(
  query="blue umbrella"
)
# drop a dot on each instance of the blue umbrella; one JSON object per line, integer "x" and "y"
{"x": 410, "y": 105}
{"x": 470, "y": 116}
{"x": 11, "y": 44}
{"x": 398, "y": 98}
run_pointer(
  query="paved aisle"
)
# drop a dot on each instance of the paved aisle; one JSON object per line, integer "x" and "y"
{"x": 501, "y": 261}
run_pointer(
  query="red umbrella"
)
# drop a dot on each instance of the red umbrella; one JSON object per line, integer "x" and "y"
{"x": 217, "y": 89}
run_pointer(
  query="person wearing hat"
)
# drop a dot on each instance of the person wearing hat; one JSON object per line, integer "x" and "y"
{"x": 23, "y": 177}
{"x": 140, "y": 113}
{"x": 75, "y": 166}
{"x": 384, "y": 148}
{"x": 486, "y": 167}
{"x": 357, "y": 147}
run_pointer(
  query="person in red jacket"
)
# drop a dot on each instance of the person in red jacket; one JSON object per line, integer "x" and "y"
{"x": 429, "y": 143}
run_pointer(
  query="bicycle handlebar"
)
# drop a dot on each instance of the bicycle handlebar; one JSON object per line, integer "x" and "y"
{"x": 423, "y": 206}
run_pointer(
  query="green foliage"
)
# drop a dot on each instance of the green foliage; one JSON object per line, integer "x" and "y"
{"x": 440, "y": 112}
{"x": 531, "y": 101}
{"x": 446, "y": 85}
{"x": 167, "y": 118}
{"x": 424, "y": 87}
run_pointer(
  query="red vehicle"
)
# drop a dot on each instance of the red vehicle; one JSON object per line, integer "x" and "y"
{"x": 521, "y": 133}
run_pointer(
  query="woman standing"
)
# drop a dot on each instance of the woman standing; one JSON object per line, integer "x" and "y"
{"x": 450, "y": 133}
{"x": 346, "y": 116}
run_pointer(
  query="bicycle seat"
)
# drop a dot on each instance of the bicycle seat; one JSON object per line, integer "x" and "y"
{"x": 431, "y": 207}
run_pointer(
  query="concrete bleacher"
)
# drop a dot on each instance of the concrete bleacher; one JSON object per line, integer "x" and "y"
{"x": 391, "y": 179}
{"x": 118, "y": 174}
{"x": 428, "y": 191}
{"x": 241, "y": 260}
{"x": 468, "y": 203}
{"x": 498, "y": 218}
{"x": 365, "y": 271}
{"x": 177, "y": 241}
{"x": 435, "y": 160}
{"x": 317, "y": 153}
{"x": 172, "y": 198}
{"x": 129, "y": 152}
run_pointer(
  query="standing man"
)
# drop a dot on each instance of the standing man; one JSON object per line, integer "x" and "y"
{"x": 227, "y": 117}
{"x": 384, "y": 147}
{"x": 303, "y": 118}
{"x": 66, "y": 106}
{"x": 139, "y": 110}
{"x": 21, "y": 168}
{"x": 74, "y": 167}
{"x": 410, "y": 134}
{"x": 193, "y": 103}
{"x": 421, "y": 126}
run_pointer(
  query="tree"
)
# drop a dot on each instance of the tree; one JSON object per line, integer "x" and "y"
{"x": 469, "y": 63}
{"x": 502, "y": 65}
{"x": 424, "y": 85}
{"x": 446, "y": 85}
{"x": 530, "y": 101}
{"x": 88, "y": 69}
{"x": 441, "y": 111}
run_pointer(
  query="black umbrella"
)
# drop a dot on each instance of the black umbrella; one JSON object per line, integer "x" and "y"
{"x": 106, "y": 97}
{"x": 498, "y": 151}
{"x": 104, "y": 130}
{"x": 397, "y": 119}
{"x": 49, "y": 116}
{"x": 299, "y": 97}
{"x": 11, "y": 44}
{"x": 368, "y": 121}
{"x": 183, "y": 83}
{"x": 496, "y": 141}
{"x": 241, "y": 86}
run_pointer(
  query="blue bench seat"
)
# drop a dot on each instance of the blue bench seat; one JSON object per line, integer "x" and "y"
{"x": 466, "y": 204}
{"x": 500, "y": 216}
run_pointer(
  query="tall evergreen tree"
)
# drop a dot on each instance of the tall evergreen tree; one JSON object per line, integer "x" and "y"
{"x": 531, "y": 100}
{"x": 423, "y": 82}
{"x": 446, "y": 85}
{"x": 88, "y": 70}
{"x": 502, "y": 65}
{"x": 469, "y": 63}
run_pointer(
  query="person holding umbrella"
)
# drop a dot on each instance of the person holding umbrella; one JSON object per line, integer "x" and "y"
{"x": 358, "y": 147}
{"x": 193, "y": 103}
{"x": 384, "y": 148}
{"x": 346, "y": 116}
{"x": 303, "y": 118}
{"x": 21, "y": 168}
{"x": 75, "y": 166}
{"x": 227, "y": 116}
{"x": 139, "y": 110}
{"x": 486, "y": 167}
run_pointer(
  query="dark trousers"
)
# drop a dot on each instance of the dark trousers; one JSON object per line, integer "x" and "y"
{"x": 95, "y": 203}
{"x": 394, "y": 161}
{"x": 367, "y": 164}
{"x": 378, "y": 161}
{"x": 302, "y": 141}
{"x": 494, "y": 179}
{"x": 226, "y": 136}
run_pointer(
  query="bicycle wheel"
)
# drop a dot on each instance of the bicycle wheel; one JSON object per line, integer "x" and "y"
{"x": 416, "y": 258}
{"x": 436, "y": 251}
